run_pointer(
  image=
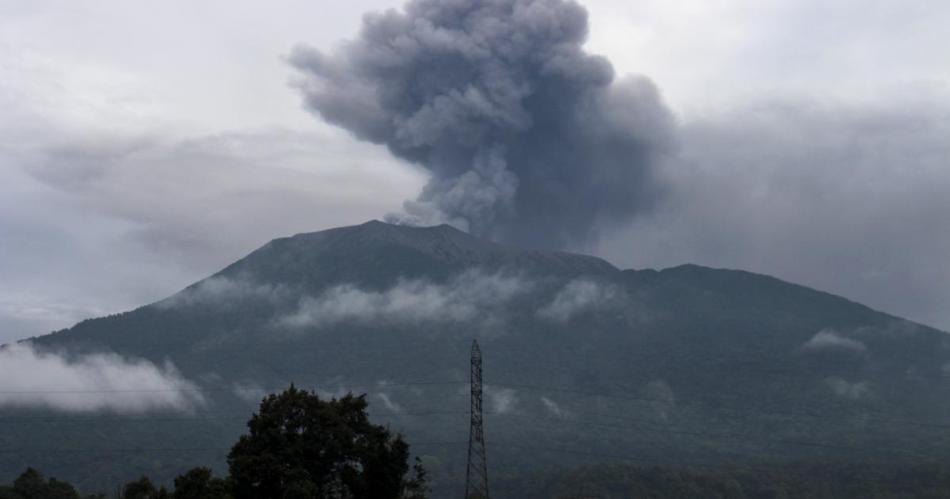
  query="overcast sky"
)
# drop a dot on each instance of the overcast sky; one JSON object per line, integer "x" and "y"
{"x": 145, "y": 145}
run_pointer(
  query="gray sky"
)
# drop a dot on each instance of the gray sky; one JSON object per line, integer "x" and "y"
{"x": 144, "y": 145}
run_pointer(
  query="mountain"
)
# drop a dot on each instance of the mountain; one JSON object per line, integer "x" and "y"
{"x": 583, "y": 362}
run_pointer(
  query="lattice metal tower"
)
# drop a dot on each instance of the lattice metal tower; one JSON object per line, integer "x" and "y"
{"x": 476, "y": 478}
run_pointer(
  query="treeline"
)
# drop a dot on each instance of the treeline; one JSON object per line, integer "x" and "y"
{"x": 297, "y": 447}
{"x": 195, "y": 484}
{"x": 794, "y": 481}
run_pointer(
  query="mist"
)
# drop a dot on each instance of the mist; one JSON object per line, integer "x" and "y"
{"x": 32, "y": 379}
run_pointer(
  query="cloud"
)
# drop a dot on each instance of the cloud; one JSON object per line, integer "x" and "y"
{"x": 830, "y": 339}
{"x": 501, "y": 400}
{"x": 848, "y": 390}
{"x": 91, "y": 383}
{"x": 469, "y": 295}
{"x": 526, "y": 136}
{"x": 661, "y": 396}
{"x": 249, "y": 392}
{"x": 388, "y": 402}
{"x": 223, "y": 291}
{"x": 554, "y": 408}
{"x": 124, "y": 206}
{"x": 850, "y": 200}
{"x": 126, "y": 224}
{"x": 576, "y": 297}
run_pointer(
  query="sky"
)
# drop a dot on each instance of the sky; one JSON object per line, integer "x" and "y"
{"x": 146, "y": 145}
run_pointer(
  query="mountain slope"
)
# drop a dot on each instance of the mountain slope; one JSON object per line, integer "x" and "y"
{"x": 583, "y": 361}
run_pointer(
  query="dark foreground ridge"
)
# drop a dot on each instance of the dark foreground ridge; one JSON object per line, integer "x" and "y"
{"x": 583, "y": 363}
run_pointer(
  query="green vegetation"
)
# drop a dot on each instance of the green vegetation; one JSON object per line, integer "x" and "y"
{"x": 605, "y": 481}
{"x": 297, "y": 447}
{"x": 31, "y": 484}
{"x": 800, "y": 481}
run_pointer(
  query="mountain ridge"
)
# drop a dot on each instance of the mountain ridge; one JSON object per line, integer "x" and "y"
{"x": 694, "y": 354}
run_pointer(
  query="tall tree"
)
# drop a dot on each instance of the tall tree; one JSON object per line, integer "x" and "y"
{"x": 299, "y": 446}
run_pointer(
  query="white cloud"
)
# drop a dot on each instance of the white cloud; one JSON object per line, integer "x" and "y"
{"x": 471, "y": 294}
{"x": 830, "y": 339}
{"x": 89, "y": 383}
{"x": 577, "y": 296}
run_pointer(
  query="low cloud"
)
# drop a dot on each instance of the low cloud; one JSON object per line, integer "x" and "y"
{"x": 846, "y": 389}
{"x": 472, "y": 294}
{"x": 577, "y": 296}
{"x": 91, "y": 383}
{"x": 501, "y": 400}
{"x": 388, "y": 402}
{"x": 554, "y": 408}
{"x": 829, "y": 339}
{"x": 221, "y": 291}
{"x": 662, "y": 398}
{"x": 249, "y": 392}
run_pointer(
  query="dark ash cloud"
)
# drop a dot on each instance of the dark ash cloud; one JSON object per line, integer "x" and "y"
{"x": 527, "y": 137}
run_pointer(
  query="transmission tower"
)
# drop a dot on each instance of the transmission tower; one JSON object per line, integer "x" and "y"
{"x": 476, "y": 477}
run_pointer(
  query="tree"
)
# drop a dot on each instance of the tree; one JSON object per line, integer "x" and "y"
{"x": 200, "y": 484}
{"x": 143, "y": 489}
{"x": 32, "y": 485}
{"x": 299, "y": 446}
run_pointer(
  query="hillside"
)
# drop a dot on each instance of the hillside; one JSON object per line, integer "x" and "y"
{"x": 584, "y": 362}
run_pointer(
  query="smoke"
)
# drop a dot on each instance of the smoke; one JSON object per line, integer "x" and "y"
{"x": 100, "y": 382}
{"x": 527, "y": 137}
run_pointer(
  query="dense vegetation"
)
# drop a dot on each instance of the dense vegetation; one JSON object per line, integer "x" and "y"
{"x": 800, "y": 481}
{"x": 606, "y": 481}
{"x": 297, "y": 447}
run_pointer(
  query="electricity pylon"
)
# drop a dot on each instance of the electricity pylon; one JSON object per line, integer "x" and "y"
{"x": 476, "y": 477}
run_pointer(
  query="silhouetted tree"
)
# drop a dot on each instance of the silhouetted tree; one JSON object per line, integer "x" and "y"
{"x": 199, "y": 483}
{"x": 143, "y": 488}
{"x": 299, "y": 446}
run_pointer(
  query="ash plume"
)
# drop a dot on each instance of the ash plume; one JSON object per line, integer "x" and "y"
{"x": 527, "y": 137}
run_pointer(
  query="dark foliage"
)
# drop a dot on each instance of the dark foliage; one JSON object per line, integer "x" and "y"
{"x": 31, "y": 484}
{"x": 301, "y": 446}
{"x": 143, "y": 488}
{"x": 200, "y": 484}
{"x": 800, "y": 481}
